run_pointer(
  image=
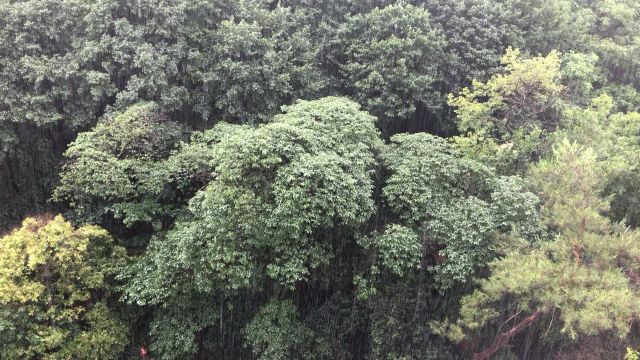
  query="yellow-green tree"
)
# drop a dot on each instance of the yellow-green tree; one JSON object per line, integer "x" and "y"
{"x": 54, "y": 285}
{"x": 504, "y": 119}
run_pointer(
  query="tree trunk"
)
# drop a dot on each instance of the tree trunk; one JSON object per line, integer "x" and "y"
{"x": 504, "y": 338}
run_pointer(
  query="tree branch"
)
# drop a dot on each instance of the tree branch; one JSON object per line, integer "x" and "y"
{"x": 503, "y": 339}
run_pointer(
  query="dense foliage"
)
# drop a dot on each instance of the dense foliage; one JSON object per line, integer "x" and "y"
{"x": 319, "y": 179}
{"x": 56, "y": 282}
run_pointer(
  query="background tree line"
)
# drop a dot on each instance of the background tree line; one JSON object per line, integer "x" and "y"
{"x": 328, "y": 179}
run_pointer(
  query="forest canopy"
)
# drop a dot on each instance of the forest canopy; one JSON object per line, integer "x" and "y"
{"x": 319, "y": 179}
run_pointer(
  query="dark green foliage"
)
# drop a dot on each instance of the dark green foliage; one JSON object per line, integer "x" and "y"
{"x": 393, "y": 58}
{"x": 116, "y": 168}
{"x": 175, "y": 326}
{"x": 278, "y": 174}
{"x": 256, "y": 61}
{"x": 455, "y": 204}
{"x": 277, "y": 193}
{"x": 476, "y": 33}
{"x": 276, "y": 189}
{"x": 276, "y": 333}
